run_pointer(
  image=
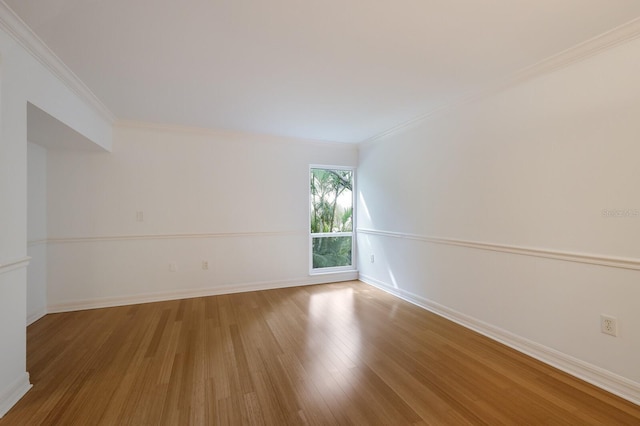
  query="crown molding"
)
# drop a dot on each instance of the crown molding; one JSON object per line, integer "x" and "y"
{"x": 608, "y": 40}
{"x": 209, "y": 132}
{"x": 13, "y": 25}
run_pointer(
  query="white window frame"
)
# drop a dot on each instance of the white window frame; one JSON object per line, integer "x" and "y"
{"x": 352, "y": 234}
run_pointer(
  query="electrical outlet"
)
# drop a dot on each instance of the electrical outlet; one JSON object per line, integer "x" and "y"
{"x": 140, "y": 216}
{"x": 609, "y": 325}
{"x": 205, "y": 265}
{"x": 372, "y": 258}
{"x": 173, "y": 266}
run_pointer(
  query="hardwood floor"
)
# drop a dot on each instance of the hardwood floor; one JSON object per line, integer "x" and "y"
{"x": 341, "y": 353}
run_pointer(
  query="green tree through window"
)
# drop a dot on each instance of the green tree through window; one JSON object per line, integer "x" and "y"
{"x": 331, "y": 221}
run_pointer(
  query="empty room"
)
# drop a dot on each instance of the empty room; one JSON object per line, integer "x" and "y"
{"x": 327, "y": 213}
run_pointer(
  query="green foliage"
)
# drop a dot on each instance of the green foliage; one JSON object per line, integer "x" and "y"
{"x": 327, "y": 215}
{"x": 331, "y": 211}
{"x": 331, "y": 251}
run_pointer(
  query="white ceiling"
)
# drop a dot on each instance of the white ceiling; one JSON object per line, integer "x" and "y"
{"x": 340, "y": 70}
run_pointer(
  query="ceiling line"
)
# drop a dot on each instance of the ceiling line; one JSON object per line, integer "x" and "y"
{"x": 13, "y": 25}
{"x": 584, "y": 50}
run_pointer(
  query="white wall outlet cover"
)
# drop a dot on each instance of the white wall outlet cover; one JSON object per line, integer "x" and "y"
{"x": 609, "y": 325}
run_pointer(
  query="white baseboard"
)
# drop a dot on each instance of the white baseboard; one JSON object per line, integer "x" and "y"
{"x": 597, "y": 376}
{"x": 13, "y": 393}
{"x": 78, "y": 305}
{"x": 31, "y": 318}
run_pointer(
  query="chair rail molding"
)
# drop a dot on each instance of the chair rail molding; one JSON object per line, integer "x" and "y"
{"x": 592, "y": 259}
{"x": 137, "y": 237}
{"x": 7, "y": 265}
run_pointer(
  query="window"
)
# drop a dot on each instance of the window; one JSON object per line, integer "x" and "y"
{"x": 331, "y": 219}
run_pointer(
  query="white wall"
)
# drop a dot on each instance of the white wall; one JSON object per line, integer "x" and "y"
{"x": 237, "y": 201}
{"x": 24, "y": 79}
{"x": 531, "y": 166}
{"x": 36, "y": 232}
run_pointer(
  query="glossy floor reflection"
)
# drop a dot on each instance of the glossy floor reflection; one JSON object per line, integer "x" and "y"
{"x": 341, "y": 353}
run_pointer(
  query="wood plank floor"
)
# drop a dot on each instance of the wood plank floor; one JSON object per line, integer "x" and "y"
{"x": 340, "y": 354}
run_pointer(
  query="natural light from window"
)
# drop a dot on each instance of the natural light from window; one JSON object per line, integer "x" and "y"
{"x": 331, "y": 218}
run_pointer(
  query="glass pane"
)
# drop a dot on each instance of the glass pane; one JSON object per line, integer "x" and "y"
{"x": 329, "y": 252}
{"x": 331, "y": 200}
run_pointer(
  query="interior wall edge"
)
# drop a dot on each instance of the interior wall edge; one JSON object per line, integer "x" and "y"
{"x": 604, "y": 379}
